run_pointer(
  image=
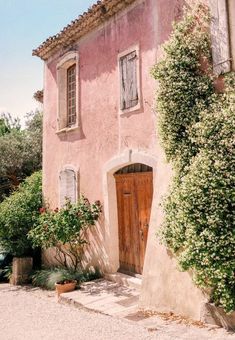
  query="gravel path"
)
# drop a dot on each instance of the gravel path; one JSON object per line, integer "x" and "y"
{"x": 33, "y": 314}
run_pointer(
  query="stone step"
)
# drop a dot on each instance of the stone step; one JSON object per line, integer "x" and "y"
{"x": 125, "y": 280}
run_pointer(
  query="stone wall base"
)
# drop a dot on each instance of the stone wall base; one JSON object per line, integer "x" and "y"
{"x": 21, "y": 269}
{"x": 213, "y": 315}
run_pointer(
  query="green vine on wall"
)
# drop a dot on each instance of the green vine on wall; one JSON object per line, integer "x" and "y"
{"x": 197, "y": 127}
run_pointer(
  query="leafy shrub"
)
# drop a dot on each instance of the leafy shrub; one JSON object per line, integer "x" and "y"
{"x": 7, "y": 272}
{"x": 64, "y": 229}
{"x": 184, "y": 89}
{"x": 18, "y": 213}
{"x": 197, "y": 127}
{"x": 47, "y": 278}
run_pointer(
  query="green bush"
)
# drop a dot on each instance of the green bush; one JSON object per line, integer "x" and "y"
{"x": 18, "y": 213}
{"x": 197, "y": 127}
{"x": 46, "y": 278}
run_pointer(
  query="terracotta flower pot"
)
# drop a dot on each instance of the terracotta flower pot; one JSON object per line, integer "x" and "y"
{"x": 65, "y": 287}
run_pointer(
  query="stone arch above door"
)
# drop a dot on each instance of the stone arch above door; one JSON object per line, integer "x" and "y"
{"x": 110, "y": 199}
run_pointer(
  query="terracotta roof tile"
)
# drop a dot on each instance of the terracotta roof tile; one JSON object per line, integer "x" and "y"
{"x": 98, "y": 13}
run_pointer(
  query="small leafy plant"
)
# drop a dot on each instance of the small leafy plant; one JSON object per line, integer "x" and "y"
{"x": 65, "y": 230}
{"x": 46, "y": 278}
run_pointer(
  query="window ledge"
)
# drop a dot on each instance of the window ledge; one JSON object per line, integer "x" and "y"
{"x": 130, "y": 110}
{"x": 67, "y": 129}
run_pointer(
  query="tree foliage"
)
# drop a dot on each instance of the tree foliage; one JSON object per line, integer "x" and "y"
{"x": 197, "y": 127}
{"x": 8, "y": 123}
{"x": 20, "y": 150}
{"x": 18, "y": 213}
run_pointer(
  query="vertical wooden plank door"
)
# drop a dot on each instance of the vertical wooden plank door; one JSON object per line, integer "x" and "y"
{"x": 134, "y": 200}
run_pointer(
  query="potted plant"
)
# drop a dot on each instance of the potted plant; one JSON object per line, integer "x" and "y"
{"x": 65, "y": 286}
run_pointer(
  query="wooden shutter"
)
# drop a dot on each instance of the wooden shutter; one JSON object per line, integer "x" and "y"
{"x": 68, "y": 186}
{"x": 220, "y": 36}
{"x": 128, "y": 76}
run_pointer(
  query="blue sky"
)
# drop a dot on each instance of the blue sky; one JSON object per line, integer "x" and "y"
{"x": 24, "y": 25}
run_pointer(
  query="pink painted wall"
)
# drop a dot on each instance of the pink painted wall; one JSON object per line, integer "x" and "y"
{"x": 104, "y": 133}
{"x": 106, "y": 137}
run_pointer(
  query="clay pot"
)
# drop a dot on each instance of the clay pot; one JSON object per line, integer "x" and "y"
{"x": 65, "y": 287}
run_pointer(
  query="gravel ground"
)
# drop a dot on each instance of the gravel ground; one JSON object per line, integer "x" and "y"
{"x": 33, "y": 314}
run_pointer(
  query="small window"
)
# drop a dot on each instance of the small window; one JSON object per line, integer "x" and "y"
{"x": 68, "y": 186}
{"x": 67, "y": 82}
{"x": 71, "y": 95}
{"x": 128, "y": 65}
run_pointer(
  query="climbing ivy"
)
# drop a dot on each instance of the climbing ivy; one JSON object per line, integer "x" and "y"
{"x": 197, "y": 127}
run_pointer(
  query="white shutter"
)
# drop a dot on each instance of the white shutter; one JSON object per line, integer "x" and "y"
{"x": 71, "y": 186}
{"x": 220, "y": 36}
{"x": 63, "y": 177}
{"x": 68, "y": 186}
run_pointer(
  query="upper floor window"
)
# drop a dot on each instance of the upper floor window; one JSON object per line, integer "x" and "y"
{"x": 67, "y": 83}
{"x": 129, "y": 80}
{"x": 71, "y": 95}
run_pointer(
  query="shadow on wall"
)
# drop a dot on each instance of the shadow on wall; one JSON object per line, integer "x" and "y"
{"x": 95, "y": 255}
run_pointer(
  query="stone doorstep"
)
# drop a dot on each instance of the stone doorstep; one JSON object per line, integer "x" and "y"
{"x": 125, "y": 280}
{"x": 210, "y": 315}
{"x": 115, "y": 299}
{"x": 104, "y": 297}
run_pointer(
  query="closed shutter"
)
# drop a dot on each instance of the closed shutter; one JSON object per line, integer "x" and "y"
{"x": 220, "y": 36}
{"x": 128, "y": 76}
{"x": 68, "y": 186}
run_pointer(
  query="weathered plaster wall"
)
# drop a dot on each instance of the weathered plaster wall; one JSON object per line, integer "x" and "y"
{"x": 107, "y": 141}
{"x": 164, "y": 287}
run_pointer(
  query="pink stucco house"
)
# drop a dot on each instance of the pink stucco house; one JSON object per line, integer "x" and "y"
{"x": 100, "y": 139}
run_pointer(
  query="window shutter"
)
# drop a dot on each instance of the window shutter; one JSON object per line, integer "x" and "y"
{"x": 132, "y": 92}
{"x": 123, "y": 66}
{"x": 129, "y": 90}
{"x": 67, "y": 186}
{"x": 62, "y": 187}
{"x": 220, "y": 36}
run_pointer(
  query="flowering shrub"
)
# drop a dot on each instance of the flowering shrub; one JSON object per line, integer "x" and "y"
{"x": 197, "y": 128}
{"x": 184, "y": 89}
{"x": 64, "y": 229}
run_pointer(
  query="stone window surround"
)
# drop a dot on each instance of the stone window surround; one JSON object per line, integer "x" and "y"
{"x": 133, "y": 48}
{"x": 67, "y": 60}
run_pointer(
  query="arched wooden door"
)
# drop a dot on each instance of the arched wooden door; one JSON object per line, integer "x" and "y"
{"x": 134, "y": 185}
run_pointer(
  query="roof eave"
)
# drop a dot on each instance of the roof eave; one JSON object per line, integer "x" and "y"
{"x": 93, "y": 18}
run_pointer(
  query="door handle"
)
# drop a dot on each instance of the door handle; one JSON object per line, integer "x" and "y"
{"x": 142, "y": 234}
